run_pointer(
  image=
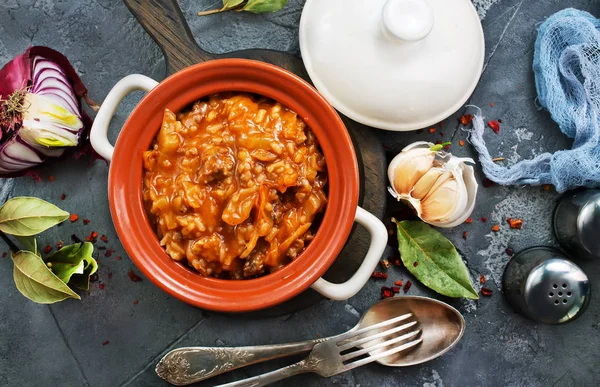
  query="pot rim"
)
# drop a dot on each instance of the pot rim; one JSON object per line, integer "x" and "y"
{"x": 125, "y": 184}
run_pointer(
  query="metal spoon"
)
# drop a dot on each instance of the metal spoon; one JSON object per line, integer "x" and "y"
{"x": 442, "y": 327}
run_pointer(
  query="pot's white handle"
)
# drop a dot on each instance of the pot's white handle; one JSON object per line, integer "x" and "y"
{"x": 349, "y": 288}
{"x": 99, "y": 132}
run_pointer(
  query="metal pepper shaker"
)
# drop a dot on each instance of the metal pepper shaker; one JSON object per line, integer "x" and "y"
{"x": 542, "y": 284}
{"x": 576, "y": 223}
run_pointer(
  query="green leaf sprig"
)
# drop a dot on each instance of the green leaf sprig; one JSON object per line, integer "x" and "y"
{"x": 254, "y": 6}
{"x": 44, "y": 281}
{"x": 433, "y": 259}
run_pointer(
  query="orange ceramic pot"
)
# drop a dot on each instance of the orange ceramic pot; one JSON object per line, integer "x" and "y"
{"x": 125, "y": 185}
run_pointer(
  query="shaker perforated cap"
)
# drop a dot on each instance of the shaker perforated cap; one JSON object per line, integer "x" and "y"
{"x": 542, "y": 284}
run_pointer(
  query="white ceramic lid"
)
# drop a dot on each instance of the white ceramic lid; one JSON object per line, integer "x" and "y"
{"x": 393, "y": 64}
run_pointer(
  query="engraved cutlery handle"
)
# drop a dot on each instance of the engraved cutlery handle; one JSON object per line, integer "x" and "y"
{"x": 189, "y": 365}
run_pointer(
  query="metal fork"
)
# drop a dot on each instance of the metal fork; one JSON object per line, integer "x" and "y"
{"x": 335, "y": 356}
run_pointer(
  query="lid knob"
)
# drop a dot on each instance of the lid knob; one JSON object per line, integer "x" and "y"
{"x": 408, "y": 20}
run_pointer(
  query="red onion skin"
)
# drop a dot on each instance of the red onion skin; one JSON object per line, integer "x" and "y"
{"x": 18, "y": 73}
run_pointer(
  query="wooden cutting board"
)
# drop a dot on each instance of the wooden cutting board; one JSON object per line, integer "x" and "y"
{"x": 165, "y": 23}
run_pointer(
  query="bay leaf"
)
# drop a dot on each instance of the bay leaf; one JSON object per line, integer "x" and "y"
{"x": 228, "y": 5}
{"x": 26, "y": 216}
{"x": 433, "y": 260}
{"x": 36, "y": 281}
{"x": 70, "y": 260}
{"x": 263, "y": 6}
{"x": 29, "y": 243}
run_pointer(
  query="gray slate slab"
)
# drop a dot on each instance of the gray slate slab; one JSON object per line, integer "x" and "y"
{"x": 65, "y": 344}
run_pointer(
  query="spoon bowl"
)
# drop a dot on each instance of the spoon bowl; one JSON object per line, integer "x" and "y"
{"x": 442, "y": 327}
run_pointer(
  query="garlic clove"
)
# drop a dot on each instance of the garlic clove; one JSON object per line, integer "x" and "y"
{"x": 408, "y": 167}
{"x": 468, "y": 177}
{"x": 433, "y": 177}
{"x": 441, "y": 203}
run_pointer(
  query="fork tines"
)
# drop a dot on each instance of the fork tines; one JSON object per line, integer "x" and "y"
{"x": 397, "y": 343}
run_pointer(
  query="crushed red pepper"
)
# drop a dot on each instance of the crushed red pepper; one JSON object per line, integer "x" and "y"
{"x": 398, "y": 283}
{"x": 109, "y": 252}
{"x": 516, "y": 223}
{"x": 50, "y": 178}
{"x": 63, "y": 197}
{"x": 496, "y": 228}
{"x": 509, "y": 251}
{"x": 86, "y": 221}
{"x": 104, "y": 238}
{"x": 465, "y": 234}
{"x": 407, "y": 286}
{"x": 35, "y": 175}
{"x": 482, "y": 279}
{"x": 118, "y": 258}
{"x": 73, "y": 218}
{"x": 486, "y": 292}
{"x": 432, "y": 130}
{"x": 379, "y": 275}
{"x": 4, "y": 254}
{"x": 466, "y": 119}
{"x": 106, "y": 342}
{"x": 494, "y": 125}
{"x": 483, "y": 219}
{"x": 110, "y": 275}
{"x": 547, "y": 187}
{"x": 395, "y": 289}
{"x": 397, "y": 262}
{"x": 101, "y": 285}
{"x": 92, "y": 237}
{"x": 133, "y": 277}
{"x": 461, "y": 142}
{"x": 48, "y": 249}
{"x": 386, "y": 292}
{"x": 491, "y": 104}
{"x": 469, "y": 220}
{"x": 59, "y": 245}
{"x": 136, "y": 302}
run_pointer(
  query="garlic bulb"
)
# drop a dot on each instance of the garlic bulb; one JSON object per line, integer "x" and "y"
{"x": 439, "y": 186}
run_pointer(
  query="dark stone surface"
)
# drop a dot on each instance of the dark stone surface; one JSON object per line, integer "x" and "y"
{"x": 62, "y": 344}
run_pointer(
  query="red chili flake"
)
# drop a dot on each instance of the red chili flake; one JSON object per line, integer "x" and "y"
{"x": 118, "y": 258}
{"x": 101, "y": 285}
{"x": 92, "y": 237}
{"x": 407, "y": 286}
{"x": 509, "y": 251}
{"x": 465, "y": 234}
{"x": 136, "y": 302}
{"x": 63, "y": 197}
{"x": 86, "y": 221}
{"x": 461, "y": 142}
{"x": 109, "y": 252}
{"x": 492, "y": 104}
{"x": 386, "y": 292}
{"x": 496, "y": 228}
{"x": 482, "y": 279}
{"x": 432, "y": 130}
{"x": 50, "y": 178}
{"x": 499, "y": 120}
{"x": 438, "y": 142}
{"x": 466, "y": 119}
{"x": 547, "y": 187}
{"x": 4, "y": 254}
{"x": 59, "y": 245}
{"x": 508, "y": 220}
{"x": 379, "y": 275}
{"x": 516, "y": 224}
{"x": 469, "y": 220}
{"x": 441, "y": 134}
{"x": 486, "y": 292}
{"x": 106, "y": 342}
{"x": 483, "y": 219}
{"x": 487, "y": 183}
{"x": 398, "y": 283}
{"x": 73, "y": 218}
{"x": 494, "y": 125}
{"x": 398, "y": 262}
{"x": 415, "y": 264}
{"x": 47, "y": 249}
{"x": 446, "y": 147}
{"x": 35, "y": 175}
{"x": 395, "y": 289}
{"x": 104, "y": 238}
{"x": 135, "y": 278}
{"x": 109, "y": 275}
{"x": 440, "y": 124}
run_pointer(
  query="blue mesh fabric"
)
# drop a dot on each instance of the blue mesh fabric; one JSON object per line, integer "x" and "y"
{"x": 566, "y": 64}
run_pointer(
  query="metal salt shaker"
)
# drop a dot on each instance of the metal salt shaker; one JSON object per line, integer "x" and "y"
{"x": 577, "y": 223}
{"x": 542, "y": 284}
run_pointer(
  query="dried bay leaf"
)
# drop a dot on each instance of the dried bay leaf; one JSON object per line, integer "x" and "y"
{"x": 26, "y": 216}
{"x": 433, "y": 260}
{"x": 253, "y": 6}
{"x": 36, "y": 281}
